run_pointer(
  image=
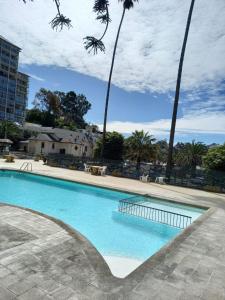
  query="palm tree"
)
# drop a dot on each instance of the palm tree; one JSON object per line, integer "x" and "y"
{"x": 127, "y": 4}
{"x": 139, "y": 147}
{"x": 177, "y": 93}
{"x": 190, "y": 155}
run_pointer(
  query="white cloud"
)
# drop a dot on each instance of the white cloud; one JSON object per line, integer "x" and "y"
{"x": 200, "y": 124}
{"x": 36, "y": 77}
{"x": 149, "y": 46}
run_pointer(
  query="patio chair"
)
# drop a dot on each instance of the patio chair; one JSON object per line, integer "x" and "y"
{"x": 160, "y": 180}
{"x": 103, "y": 171}
{"x": 87, "y": 168}
{"x": 144, "y": 178}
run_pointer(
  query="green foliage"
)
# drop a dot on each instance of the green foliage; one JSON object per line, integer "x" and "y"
{"x": 162, "y": 151}
{"x": 10, "y": 131}
{"x": 139, "y": 147}
{"x": 43, "y": 118}
{"x": 113, "y": 146}
{"x": 189, "y": 155}
{"x": 59, "y": 109}
{"x": 215, "y": 158}
{"x": 74, "y": 107}
{"x": 47, "y": 101}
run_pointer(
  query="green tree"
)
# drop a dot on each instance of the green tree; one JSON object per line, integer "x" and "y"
{"x": 48, "y": 101}
{"x": 162, "y": 151}
{"x": 9, "y": 130}
{"x": 43, "y": 118}
{"x": 190, "y": 155}
{"x": 114, "y": 144}
{"x": 59, "y": 109}
{"x": 74, "y": 107}
{"x": 139, "y": 147}
{"x": 215, "y": 158}
{"x": 177, "y": 93}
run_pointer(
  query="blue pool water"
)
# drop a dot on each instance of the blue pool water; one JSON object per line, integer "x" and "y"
{"x": 92, "y": 211}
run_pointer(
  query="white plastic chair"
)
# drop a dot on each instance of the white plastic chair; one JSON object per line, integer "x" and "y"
{"x": 160, "y": 180}
{"x": 144, "y": 178}
{"x": 87, "y": 168}
{"x": 103, "y": 171}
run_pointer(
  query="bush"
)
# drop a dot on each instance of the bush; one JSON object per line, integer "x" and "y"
{"x": 215, "y": 158}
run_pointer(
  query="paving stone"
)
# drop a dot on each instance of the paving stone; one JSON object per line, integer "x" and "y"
{"x": 52, "y": 264}
{"x": 9, "y": 280}
{"x": 49, "y": 285}
{"x": 21, "y": 286}
{"x": 63, "y": 293}
{"x": 6, "y": 294}
{"x": 34, "y": 294}
{"x": 4, "y": 271}
{"x": 213, "y": 294}
{"x": 11, "y": 236}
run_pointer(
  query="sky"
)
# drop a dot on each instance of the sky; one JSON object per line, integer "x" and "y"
{"x": 146, "y": 64}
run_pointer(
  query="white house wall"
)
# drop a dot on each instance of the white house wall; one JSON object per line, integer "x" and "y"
{"x": 35, "y": 147}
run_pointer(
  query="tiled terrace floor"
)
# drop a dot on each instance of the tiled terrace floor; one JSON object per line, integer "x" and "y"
{"x": 44, "y": 259}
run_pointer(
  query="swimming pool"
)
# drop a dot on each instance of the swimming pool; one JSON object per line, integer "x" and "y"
{"x": 124, "y": 241}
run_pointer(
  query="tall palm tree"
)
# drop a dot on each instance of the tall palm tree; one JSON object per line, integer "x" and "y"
{"x": 127, "y": 4}
{"x": 177, "y": 93}
{"x": 139, "y": 147}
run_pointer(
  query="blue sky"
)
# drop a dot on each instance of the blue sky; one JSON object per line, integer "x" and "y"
{"x": 146, "y": 65}
{"x": 124, "y": 105}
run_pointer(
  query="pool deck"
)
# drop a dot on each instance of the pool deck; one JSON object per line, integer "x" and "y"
{"x": 42, "y": 258}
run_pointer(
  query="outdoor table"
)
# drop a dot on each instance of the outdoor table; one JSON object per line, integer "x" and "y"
{"x": 95, "y": 170}
{"x": 9, "y": 158}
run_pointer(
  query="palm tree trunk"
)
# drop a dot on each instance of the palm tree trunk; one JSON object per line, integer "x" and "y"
{"x": 109, "y": 84}
{"x": 177, "y": 94}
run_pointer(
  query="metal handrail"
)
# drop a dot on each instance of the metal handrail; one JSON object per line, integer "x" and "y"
{"x": 25, "y": 166}
{"x": 154, "y": 214}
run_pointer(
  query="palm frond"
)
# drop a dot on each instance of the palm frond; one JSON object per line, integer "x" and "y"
{"x": 60, "y": 21}
{"x": 127, "y": 4}
{"x": 100, "y": 6}
{"x": 104, "y": 19}
{"x": 93, "y": 44}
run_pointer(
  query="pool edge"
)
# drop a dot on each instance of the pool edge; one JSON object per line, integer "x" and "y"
{"x": 152, "y": 261}
{"x": 111, "y": 188}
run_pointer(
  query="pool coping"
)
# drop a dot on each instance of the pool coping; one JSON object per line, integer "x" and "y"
{"x": 153, "y": 260}
{"x": 70, "y": 230}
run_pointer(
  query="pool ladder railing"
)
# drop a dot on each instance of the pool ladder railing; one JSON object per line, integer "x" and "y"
{"x": 26, "y": 166}
{"x": 140, "y": 209}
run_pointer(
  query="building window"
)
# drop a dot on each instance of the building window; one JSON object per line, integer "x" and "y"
{"x": 62, "y": 151}
{"x": 85, "y": 149}
{"x": 42, "y": 145}
{"x": 53, "y": 146}
{"x": 76, "y": 148}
